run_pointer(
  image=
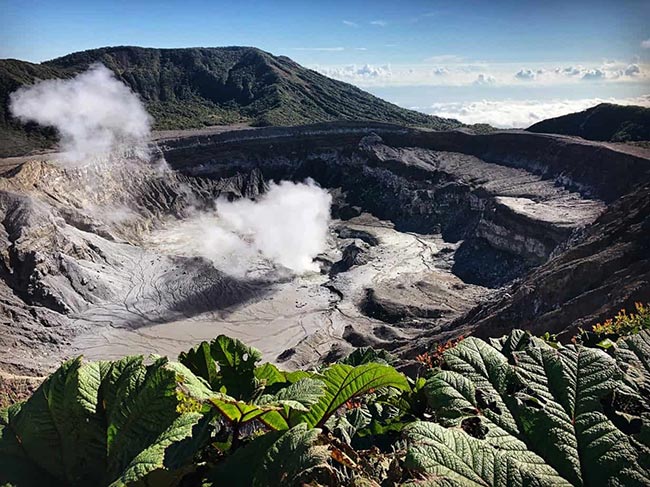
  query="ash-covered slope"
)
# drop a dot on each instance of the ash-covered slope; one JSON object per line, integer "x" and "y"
{"x": 605, "y": 268}
{"x": 197, "y": 87}
{"x": 605, "y": 122}
{"x": 511, "y": 200}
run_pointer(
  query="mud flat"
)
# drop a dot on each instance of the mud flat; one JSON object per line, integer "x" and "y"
{"x": 291, "y": 319}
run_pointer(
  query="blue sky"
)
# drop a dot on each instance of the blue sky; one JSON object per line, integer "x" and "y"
{"x": 421, "y": 54}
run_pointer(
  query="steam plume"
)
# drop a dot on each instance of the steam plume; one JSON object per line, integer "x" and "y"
{"x": 95, "y": 113}
{"x": 288, "y": 225}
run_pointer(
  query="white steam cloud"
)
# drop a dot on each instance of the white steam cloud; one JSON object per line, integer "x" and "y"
{"x": 288, "y": 226}
{"x": 95, "y": 114}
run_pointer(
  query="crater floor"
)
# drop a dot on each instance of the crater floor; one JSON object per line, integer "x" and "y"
{"x": 290, "y": 319}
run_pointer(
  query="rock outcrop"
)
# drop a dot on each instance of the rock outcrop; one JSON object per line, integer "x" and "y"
{"x": 605, "y": 269}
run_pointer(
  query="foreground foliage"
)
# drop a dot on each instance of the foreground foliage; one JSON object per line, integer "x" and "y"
{"x": 514, "y": 411}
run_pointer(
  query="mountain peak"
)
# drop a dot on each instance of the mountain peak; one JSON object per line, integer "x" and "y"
{"x": 186, "y": 88}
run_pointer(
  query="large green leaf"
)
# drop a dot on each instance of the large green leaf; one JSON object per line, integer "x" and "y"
{"x": 283, "y": 458}
{"x": 477, "y": 382}
{"x": 365, "y": 355}
{"x": 240, "y": 412}
{"x": 62, "y": 414}
{"x": 561, "y": 414}
{"x": 270, "y": 375}
{"x": 520, "y": 396}
{"x": 344, "y": 382}
{"x": 236, "y": 361}
{"x": 452, "y": 457}
{"x": 199, "y": 360}
{"x": 633, "y": 395}
{"x": 293, "y": 399}
{"x": 633, "y": 357}
{"x": 99, "y": 423}
{"x": 274, "y": 410}
{"x": 299, "y": 395}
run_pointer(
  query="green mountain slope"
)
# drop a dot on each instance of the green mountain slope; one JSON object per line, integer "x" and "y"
{"x": 16, "y": 138}
{"x": 196, "y": 87}
{"x": 605, "y": 122}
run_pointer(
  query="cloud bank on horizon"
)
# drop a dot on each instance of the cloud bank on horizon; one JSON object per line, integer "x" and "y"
{"x": 451, "y": 70}
{"x": 505, "y": 95}
{"x": 520, "y": 113}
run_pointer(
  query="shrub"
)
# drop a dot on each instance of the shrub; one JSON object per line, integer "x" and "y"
{"x": 518, "y": 410}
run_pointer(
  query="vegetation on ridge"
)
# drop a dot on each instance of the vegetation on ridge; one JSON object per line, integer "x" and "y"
{"x": 197, "y": 87}
{"x": 518, "y": 410}
{"x": 604, "y": 122}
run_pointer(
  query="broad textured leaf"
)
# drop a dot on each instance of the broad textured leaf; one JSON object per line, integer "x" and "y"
{"x": 347, "y": 425}
{"x": 16, "y": 468}
{"x": 154, "y": 457}
{"x": 512, "y": 342}
{"x": 633, "y": 357}
{"x": 277, "y": 458}
{"x": 234, "y": 354}
{"x": 561, "y": 411}
{"x": 274, "y": 410}
{"x": 366, "y": 355}
{"x": 61, "y": 415}
{"x": 240, "y": 412}
{"x": 452, "y": 457}
{"x": 547, "y": 402}
{"x": 477, "y": 381}
{"x": 199, "y": 360}
{"x": 344, "y": 382}
{"x": 299, "y": 395}
{"x": 96, "y": 423}
{"x": 270, "y": 374}
{"x": 236, "y": 365}
{"x": 291, "y": 400}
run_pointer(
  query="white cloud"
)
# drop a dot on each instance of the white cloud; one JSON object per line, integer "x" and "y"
{"x": 594, "y": 75}
{"x": 526, "y": 74}
{"x": 570, "y": 71}
{"x": 497, "y": 74}
{"x": 354, "y": 73}
{"x": 485, "y": 79}
{"x": 609, "y": 70}
{"x": 521, "y": 113}
{"x": 379, "y": 23}
{"x": 645, "y": 44}
{"x": 360, "y": 48}
{"x": 444, "y": 58}
{"x": 349, "y": 23}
